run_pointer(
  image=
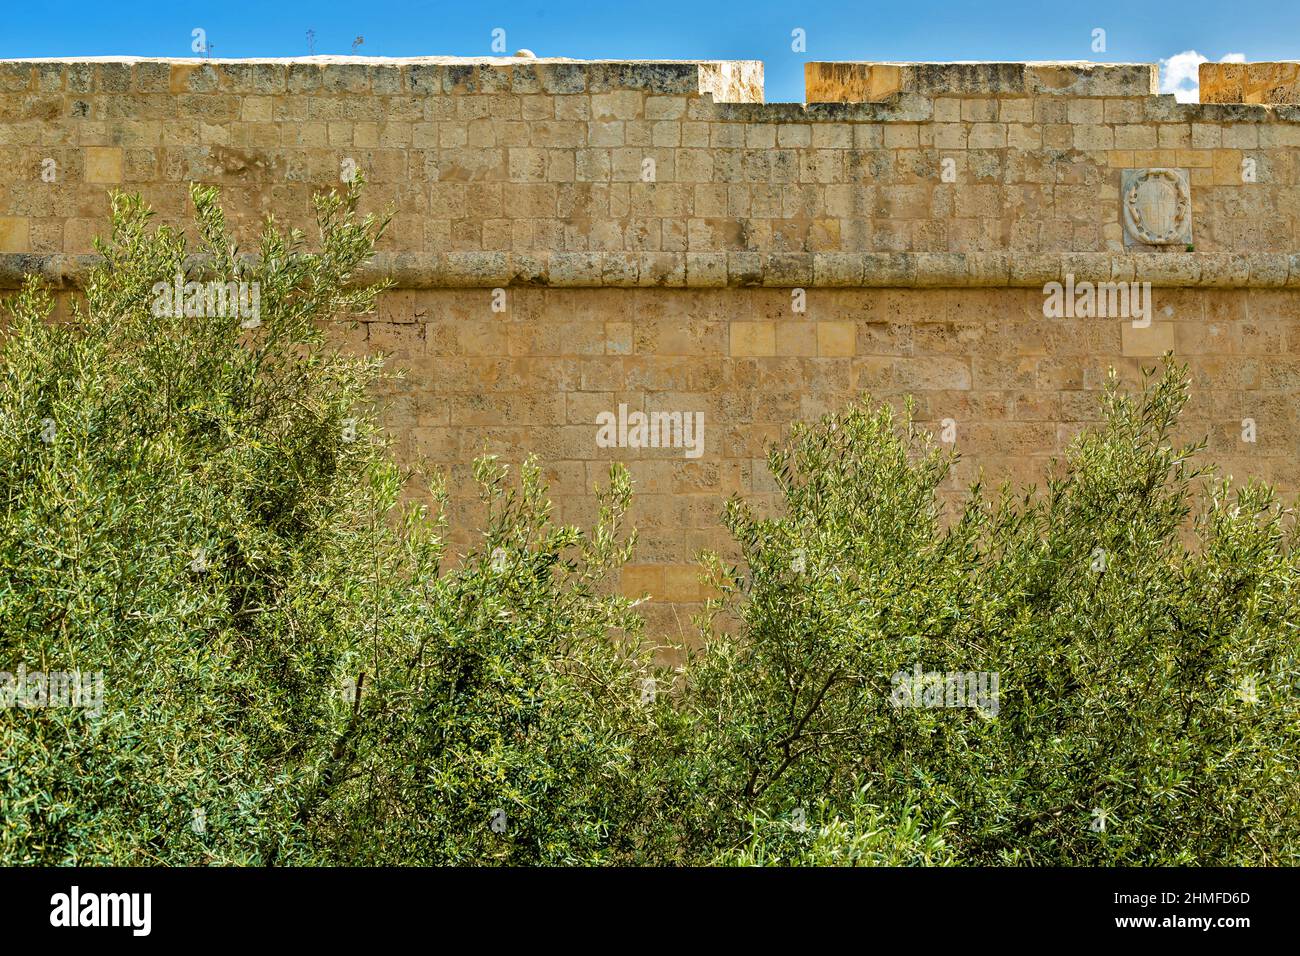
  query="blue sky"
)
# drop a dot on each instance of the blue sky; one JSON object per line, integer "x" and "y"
{"x": 668, "y": 29}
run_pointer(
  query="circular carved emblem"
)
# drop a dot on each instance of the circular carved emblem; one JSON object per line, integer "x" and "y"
{"x": 1157, "y": 207}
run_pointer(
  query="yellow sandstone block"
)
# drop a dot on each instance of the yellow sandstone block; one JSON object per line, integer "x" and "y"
{"x": 1227, "y": 167}
{"x": 1196, "y": 158}
{"x": 640, "y": 579}
{"x": 850, "y": 82}
{"x": 796, "y": 338}
{"x": 681, "y": 583}
{"x": 103, "y": 164}
{"x": 836, "y": 339}
{"x": 1153, "y": 340}
{"x": 753, "y": 338}
{"x": 15, "y": 234}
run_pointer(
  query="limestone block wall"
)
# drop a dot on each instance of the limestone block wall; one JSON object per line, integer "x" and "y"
{"x": 574, "y": 240}
{"x": 1014, "y": 385}
{"x": 527, "y": 166}
{"x": 1273, "y": 83}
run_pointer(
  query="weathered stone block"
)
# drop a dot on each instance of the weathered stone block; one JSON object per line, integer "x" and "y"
{"x": 103, "y": 164}
{"x": 1271, "y": 83}
{"x": 15, "y": 234}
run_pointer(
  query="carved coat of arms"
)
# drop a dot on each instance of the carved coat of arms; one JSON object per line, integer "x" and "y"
{"x": 1157, "y": 207}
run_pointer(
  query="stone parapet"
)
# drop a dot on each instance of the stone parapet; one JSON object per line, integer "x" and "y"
{"x": 852, "y": 82}
{"x": 1264, "y": 83}
{"x": 724, "y": 80}
{"x": 643, "y": 172}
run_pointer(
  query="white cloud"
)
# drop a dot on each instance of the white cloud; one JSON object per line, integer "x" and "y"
{"x": 1180, "y": 74}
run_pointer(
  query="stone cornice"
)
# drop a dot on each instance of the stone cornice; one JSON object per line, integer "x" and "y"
{"x": 742, "y": 269}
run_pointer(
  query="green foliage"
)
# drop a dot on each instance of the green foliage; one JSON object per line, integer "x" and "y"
{"x": 187, "y": 529}
{"x": 291, "y": 673}
{"x": 865, "y": 836}
{"x": 297, "y": 670}
{"x": 520, "y": 703}
{"x": 1146, "y": 709}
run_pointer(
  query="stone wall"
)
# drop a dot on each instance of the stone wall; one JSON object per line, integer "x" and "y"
{"x": 1272, "y": 83}
{"x": 521, "y": 167}
{"x": 571, "y": 237}
{"x": 1015, "y": 386}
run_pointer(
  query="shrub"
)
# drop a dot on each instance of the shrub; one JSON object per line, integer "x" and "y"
{"x": 518, "y": 730}
{"x": 866, "y": 835}
{"x": 290, "y": 673}
{"x": 181, "y": 509}
{"x": 1139, "y": 616}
